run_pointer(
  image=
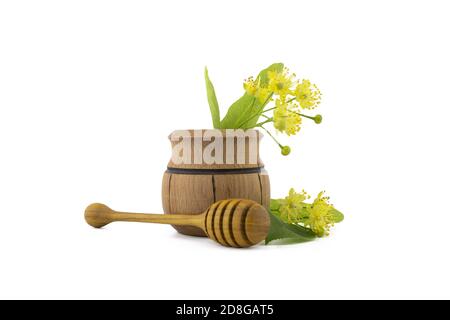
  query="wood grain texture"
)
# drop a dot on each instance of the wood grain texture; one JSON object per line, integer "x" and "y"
{"x": 241, "y": 186}
{"x": 190, "y": 194}
{"x": 184, "y": 193}
{"x": 227, "y": 223}
{"x": 236, "y": 223}
{"x": 165, "y": 194}
{"x": 265, "y": 189}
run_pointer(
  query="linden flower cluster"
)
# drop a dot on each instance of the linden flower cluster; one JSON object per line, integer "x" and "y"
{"x": 319, "y": 216}
{"x": 291, "y": 206}
{"x": 290, "y": 97}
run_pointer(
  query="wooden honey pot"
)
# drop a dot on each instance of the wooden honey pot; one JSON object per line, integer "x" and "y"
{"x": 212, "y": 165}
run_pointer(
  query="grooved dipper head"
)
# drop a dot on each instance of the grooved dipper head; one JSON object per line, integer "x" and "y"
{"x": 237, "y": 223}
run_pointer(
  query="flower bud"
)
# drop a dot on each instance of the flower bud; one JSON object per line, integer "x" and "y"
{"x": 318, "y": 119}
{"x": 285, "y": 150}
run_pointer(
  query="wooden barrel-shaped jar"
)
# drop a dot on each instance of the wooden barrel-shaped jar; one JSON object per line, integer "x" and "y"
{"x": 211, "y": 165}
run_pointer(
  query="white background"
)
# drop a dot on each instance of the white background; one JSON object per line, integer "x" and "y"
{"x": 90, "y": 90}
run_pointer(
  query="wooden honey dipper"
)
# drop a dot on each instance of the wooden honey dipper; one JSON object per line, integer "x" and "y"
{"x": 235, "y": 223}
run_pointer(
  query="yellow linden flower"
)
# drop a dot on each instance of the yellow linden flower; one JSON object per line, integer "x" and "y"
{"x": 253, "y": 88}
{"x": 250, "y": 86}
{"x": 280, "y": 83}
{"x": 307, "y": 94}
{"x": 319, "y": 219}
{"x": 285, "y": 119}
{"x": 291, "y": 206}
{"x": 262, "y": 94}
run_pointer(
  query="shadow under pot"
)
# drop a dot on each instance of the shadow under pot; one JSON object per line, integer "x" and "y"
{"x": 211, "y": 165}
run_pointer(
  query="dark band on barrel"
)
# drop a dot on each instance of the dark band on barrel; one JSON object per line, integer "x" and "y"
{"x": 214, "y": 171}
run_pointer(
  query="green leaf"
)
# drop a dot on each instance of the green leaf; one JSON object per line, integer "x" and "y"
{"x": 237, "y": 110}
{"x": 301, "y": 231}
{"x": 337, "y": 215}
{"x": 212, "y": 100}
{"x": 264, "y": 74}
{"x": 247, "y": 106}
{"x": 291, "y": 233}
{"x": 274, "y": 204}
{"x": 258, "y": 108}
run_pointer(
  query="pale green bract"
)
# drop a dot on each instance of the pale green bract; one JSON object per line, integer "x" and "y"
{"x": 212, "y": 100}
{"x": 244, "y": 112}
{"x": 237, "y": 111}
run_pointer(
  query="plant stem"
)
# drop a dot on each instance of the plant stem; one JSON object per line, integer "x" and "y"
{"x": 303, "y": 115}
{"x": 264, "y": 122}
{"x": 290, "y": 100}
{"x": 258, "y": 114}
{"x": 270, "y": 109}
{"x": 268, "y": 132}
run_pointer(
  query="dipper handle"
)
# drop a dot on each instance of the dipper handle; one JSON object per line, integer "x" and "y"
{"x": 235, "y": 223}
{"x": 99, "y": 215}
